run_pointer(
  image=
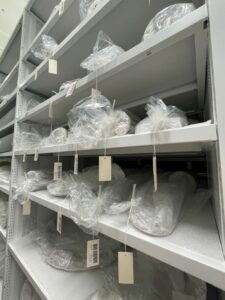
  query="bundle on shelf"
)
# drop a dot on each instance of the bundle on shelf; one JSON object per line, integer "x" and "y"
{"x": 46, "y": 48}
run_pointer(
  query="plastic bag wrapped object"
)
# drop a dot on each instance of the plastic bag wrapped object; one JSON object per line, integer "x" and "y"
{"x": 166, "y": 17}
{"x": 57, "y": 136}
{"x": 28, "y": 140}
{"x": 68, "y": 251}
{"x": 33, "y": 181}
{"x": 161, "y": 117}
{"x": 46, "y": 48}
{"x": 3, "y": 211}
{"x": 104, "y": 52}
{"x": 27, "y": 292}
{"x": 120, "y": 123}
{"x": 5, "y": 172}
{"x": 87, "y": 7}
{"x": 66, "y": 85}
{"x": 157, "y": 213}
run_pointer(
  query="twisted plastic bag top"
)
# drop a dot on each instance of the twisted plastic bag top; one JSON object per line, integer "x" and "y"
{"x": 33, "y": 181}
{"x": 68, "y": 251}
{"x": 157, "y": 213}
{"x": 58, "y": 136}
{"x": 161, "y": 117}
{"x": 166, "y": 17}
{"x": 46, "y": 48}
{"x": 3, "y": 210}
{"x": 27, "y": 292}
{"x": 104, "y": 52}
{"x": 87, "y": 7}
{"x": 5, "y": 172}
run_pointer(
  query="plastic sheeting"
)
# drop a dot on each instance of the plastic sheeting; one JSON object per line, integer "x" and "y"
{"x": 161, "y": 117}
{"x": 103, "y": 53}
{"x": 166, "y": 17}
{"x": 46, "y": 48}
{"x": 58, "y": 136}
{"x": 27, "y": 140}
{"x": 27, "y": 292}
{"x": 87, "y": 7}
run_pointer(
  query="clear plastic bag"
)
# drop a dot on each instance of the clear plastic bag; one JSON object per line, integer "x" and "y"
{"x": 67, "y": 85}
{"x": 5, "y": 172}
{"x": 87, "y": 7}
{"x": 161, "y": 117}
{"x": 28, "y": 140}
{"x": 157, "y": 213}
{"x": 166, "y": 17}
{"x": 120, "y": 123}
{"x": 33, "y": 181}
{"x": 27, "y": 292}
{"x": 58, "y": 136}
{"x": 3, "y": 210}
{"x": 104, "y": 52}
{"x": 46, "y": 48}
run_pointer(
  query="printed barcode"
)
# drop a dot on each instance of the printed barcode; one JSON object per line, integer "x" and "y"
{"x": 95, "y": 253}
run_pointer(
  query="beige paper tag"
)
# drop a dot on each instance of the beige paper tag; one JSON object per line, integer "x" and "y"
{"x": 50, "y": 111}
{"x": 36, "y": 155}
{"x": 27, "y": 208}
{"x": 180, "y": 296}
{"x": 93, "y": 253}
{"x": 35, "y": 74}
{"x": 59, "y": 222}
{"x": 125, "y": 268}
{"x": 57, "y": 170}
{"x": 154, "y": 166}
{"x": 95, "y": 92}
{"x": 105, "y": 168}
{"x": 76, "y": 164}
{"x": 24, "y": 157}
{"x": 52, "y": 66}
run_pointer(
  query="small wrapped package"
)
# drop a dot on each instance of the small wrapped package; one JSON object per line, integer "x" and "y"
{"x": 65, "y": 86}
{"x": 68, "y": 251}
{"x": 34, "y": 181}
{"x": 58, "y": 136}
{"x": 161, "y": 117}
{"x": 157, "y": 213}
{"x": 104, "y": 52}
{"x": 46, "y": 48}
{"x": 28, "y": 292}
{"x": 166, "y": 17}
{"x": 87, "y": 7}
{"x": 28, "y": 140}
{"x": 5, "y": 172}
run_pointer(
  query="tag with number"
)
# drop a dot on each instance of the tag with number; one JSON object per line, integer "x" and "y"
{"x": 93, "y": 253}
{"x": 52, "y": 66}
{"x": 95, "y": 92}
{"x": 105, "y": 168}
{"x": 154, "y": 165}
{"x": 24, "y": 156}
{"x": 36, "y": 155}
{"x": 125, "y": 268}
{"x": 57, "y": 170}
{"x": 27, "y": 208}
{"x": 59, "y": 222}
{"x": 76, "y": 164}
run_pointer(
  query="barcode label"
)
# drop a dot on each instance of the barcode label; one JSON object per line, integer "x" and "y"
{"x": 92, "y": 253}
{"x": 52, "y": 66}
{"x": 105, "y": 168}
{"x": 36, "y": 155}
{"x": 76, "y": 164}
{"x": 57, "y": 170}
{"x": 27, "y": 208}
{"x": 59, "y": 222}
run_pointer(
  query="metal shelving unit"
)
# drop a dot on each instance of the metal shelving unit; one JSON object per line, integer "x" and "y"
{"x": 174, "y": 65}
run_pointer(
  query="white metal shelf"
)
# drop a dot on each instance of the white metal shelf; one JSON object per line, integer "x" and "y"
{"x": 5, "y": 105}
{"x": 193, "y": 247}
{"x": 193, "y": 138}
{"x": 42, "y": 8}
{"x": 7, "y": 129}
{"x": 9, "y": 78}
{"x": 3, "y": 234}
{"x": 5, "y": 154}
{"x": 52, "y": 284}
{"x": 4, "y": 188}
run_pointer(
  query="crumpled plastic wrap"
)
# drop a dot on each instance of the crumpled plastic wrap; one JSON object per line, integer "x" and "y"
{"x": 93, "y": 119}
{"x": 87, "y": 7}
{"x": 36, "y": 180}
{"x": 28, "y": 292}
{"x": 46, "y": 48}
{"x": 3, "y": 210}
{"x": 68, "y": 251}
{"x": 58, "y": 136}
{"x": 104, "y": 52}
{"x": 5, "y": 172}
{"x": 67, "y": 85}
{"x": 28, "y": 140}
{"x": 166, "y": 17}
{"x": 157, "y": 213}
{"x": 161, "y": 117}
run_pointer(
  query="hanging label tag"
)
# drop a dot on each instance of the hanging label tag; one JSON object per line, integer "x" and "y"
{"x": 24, "y": 156}
{"x": 95, "y": 92}
{"x": 75, "y": 164}
{"x": 35, "y": 74}
{"x": 105, "y": 168}
{"x": 52, "y": 66}
{"x": 36, "y": 155}
{"x": 133, "y": 198}
{"x": 50, "y": 111}
{"x": 27, "y": 208}
{"x": 71, "y": 89}
{"x": 57, "y": 170}
{"x": 125, "y": 268}
{"x": 61, "y": 7}
{"x": 179, "y": 296}
{"x": 154, "y": 166}
{"x": 59, "y": 222}
{"x": 92, "y": 253}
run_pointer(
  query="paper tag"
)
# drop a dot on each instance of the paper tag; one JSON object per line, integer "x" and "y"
{"x": 75, "y": 164}
{"x": 71, "y": 89}
{"x": 52, "y": 66}
{"x": 154, "y": 166}
{"x": 180, "y": 296}
{"x": 27, "y": 208}
{"x": 92, "y": 253}
{"x": 50, "y": 111}
{"x": 133, "y": 197}
{"x": 24, "y": 156}
{"x": 105, "y": 168}
{"x": 59, "y": 222}
{"x": 36, "y": 155}
{"x": 95, "y": 92}
{"x": 125, "y": 268}
{"x": 57, "y": 170}
{"x": 35, "y": 74}
{"x": 61, "y": 7}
